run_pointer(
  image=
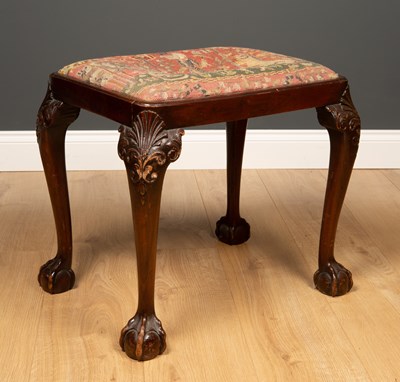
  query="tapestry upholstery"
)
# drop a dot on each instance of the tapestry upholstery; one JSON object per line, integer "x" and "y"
{"x": 195, "y": 74}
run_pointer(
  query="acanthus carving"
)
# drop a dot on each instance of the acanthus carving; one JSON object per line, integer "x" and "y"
{"x": 147, "y": 148}
{"x": 345, "y": 116}
{"x": 53, "y": 111}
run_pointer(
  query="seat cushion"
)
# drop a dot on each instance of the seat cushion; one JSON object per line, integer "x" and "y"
{"x": 195, "y": 74}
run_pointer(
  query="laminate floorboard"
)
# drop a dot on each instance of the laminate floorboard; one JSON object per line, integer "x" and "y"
{"x": 231, "y": 313}
{"x": 360, "y": 312}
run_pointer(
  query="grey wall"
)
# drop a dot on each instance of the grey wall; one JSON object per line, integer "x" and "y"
{"x": 357, "y": 38}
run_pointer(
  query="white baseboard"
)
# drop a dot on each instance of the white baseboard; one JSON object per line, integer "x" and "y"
{"x": 206, "y": 149}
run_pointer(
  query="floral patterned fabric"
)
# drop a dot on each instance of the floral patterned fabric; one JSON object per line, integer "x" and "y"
{"x": 194, "y": 74}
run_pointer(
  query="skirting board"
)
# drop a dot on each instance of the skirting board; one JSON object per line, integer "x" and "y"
{"x": 206, "y": 149}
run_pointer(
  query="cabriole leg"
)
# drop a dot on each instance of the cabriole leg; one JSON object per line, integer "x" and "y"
{"x": 231, "y": 228}
{"x": 147, "y": 148}
{"x": 343, "y": 124}
{"x": 54, "y": 117}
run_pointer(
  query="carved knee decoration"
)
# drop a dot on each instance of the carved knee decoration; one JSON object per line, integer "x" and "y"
{"x": 147, "y": 149}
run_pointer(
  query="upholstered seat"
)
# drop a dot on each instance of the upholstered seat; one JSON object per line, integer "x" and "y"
{"x": 153, "y": 97}
{"x": 197, "y": 73}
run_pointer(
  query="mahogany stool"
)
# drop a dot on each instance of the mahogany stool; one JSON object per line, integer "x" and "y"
{"x": 153, "y": 96}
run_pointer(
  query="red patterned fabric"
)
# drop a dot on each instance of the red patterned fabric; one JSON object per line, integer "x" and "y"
{"x": 194, "y": 74}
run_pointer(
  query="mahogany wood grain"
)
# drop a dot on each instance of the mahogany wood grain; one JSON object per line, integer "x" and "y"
{"x": 147, "y": 149}
{"x": 343, "y": 124}
{"x": 232, "y": 229}
{"x": 203, "y": 111}
{"x": 54, "y": 117}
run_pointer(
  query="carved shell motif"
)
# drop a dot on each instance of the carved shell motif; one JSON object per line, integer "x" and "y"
{"x": 147, "y": 146}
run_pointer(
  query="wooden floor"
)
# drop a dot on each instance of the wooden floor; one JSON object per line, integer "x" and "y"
{"x": 244, "y": 313}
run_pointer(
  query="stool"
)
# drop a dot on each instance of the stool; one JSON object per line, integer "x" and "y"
{"x": 153, "y": 97}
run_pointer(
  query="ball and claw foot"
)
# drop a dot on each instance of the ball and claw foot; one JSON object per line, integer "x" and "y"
{"x": 333, "y": 279}
{"x": 53, "y": 278}
{"x": 232, "y": 234}
{"x": 143, "y": 338}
